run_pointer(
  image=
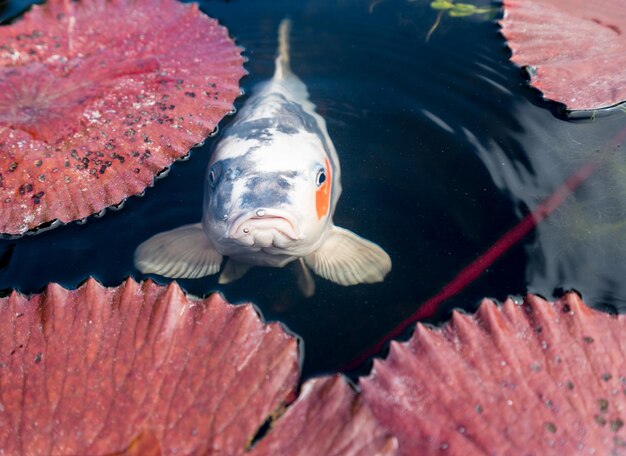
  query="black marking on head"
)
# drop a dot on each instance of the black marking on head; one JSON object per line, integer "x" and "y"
{"x": 289, "y": 118}
{"x": 283, "y": 183}
{"x": 266, "y": 190}
{"x": 262, "y": 190}
{"x": 217, "y": 200}
{"x": 261, "y": 130}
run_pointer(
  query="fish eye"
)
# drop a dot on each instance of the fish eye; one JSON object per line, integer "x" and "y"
{"x": 321, "y": 177}
{"x": 213, "y": 176}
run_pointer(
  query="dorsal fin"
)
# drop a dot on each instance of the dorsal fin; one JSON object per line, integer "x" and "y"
{"x": 282, "y": 59}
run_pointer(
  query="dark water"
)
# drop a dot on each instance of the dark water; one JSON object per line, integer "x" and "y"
{"x": 443, "y": 149}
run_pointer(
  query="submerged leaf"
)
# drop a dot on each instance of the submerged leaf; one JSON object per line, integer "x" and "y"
{"x": 460, "y": 13}
{"x": 463, "y": 8}
{"x": 454, "y": 10}
{"x": 441, "y": 5}
{"x": 459, "y": 9}
{"x": 97, "y": 98}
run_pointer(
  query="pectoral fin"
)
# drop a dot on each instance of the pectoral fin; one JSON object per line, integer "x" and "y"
{"x": 185, "y": 252}
{"x": 306, "y": 283}
{"x": 348, "y": 259}
{"x": 233, "y": 270}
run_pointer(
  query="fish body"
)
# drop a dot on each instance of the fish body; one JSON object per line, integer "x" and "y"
{"x": 271, "y": 189}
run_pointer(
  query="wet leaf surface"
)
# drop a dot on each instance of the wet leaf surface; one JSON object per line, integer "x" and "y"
{"x": 329, "y": 418}
{"x": 537, "y": 378}
{"x": 137, "y": 369}
{"x": 143, "y": 369}
{"x": 575, "y": 49}
{"x": 97, "y": 98}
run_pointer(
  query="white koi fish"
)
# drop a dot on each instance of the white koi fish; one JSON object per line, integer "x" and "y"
{"x": 271, "y": 190}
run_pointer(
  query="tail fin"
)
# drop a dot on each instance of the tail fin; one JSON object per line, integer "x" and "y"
{"x": 282, "y": 60}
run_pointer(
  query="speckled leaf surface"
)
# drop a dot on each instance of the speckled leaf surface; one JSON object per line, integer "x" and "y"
{"x": 537, "y": 378}
{"x": 137, "y": 369}
{"x": 575, "y": 48}
{"x": 97, "y": 97}
{"x": 329, "y": 418}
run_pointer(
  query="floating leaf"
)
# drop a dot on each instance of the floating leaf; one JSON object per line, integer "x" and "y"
{"x": 537, "y": 378}
{"x": 463, "y": 8}
{"x": 454, "y": 10}
{"x": 140, "y": 369}
{"x": 441, "y": 5}
{"x": 575, "y": 49}
{"x": 462, "y": 13}
{"x": 459, "y": 9}
{"x": 329, "y": 418}
{"x": 97, "y": 98}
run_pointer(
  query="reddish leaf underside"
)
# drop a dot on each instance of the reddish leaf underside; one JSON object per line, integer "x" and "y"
{"x": 329, "y": 418}
{"x": 576, "y": 48}
{"x": 137, "y": 368}
{"x": 141, "y": 369}
{"x": 537, "y": 378}
{"x": 97, "y": 97}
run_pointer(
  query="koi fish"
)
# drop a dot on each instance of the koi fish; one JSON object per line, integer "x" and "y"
{"x": 271, "y": 189}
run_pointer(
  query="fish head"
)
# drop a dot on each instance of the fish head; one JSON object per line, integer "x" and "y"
{"x": 273, "y": 198}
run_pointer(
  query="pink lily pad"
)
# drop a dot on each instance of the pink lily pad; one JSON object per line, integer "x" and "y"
{"x": 537, "y": 378}
{"x": 98, "y": 97}
{"x": 575, "y": 49}
{"x": 140, "y": 369}
{"x": 329, "y": 418}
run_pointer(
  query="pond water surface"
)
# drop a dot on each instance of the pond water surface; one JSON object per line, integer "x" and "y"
{"x": 444, "y": 148}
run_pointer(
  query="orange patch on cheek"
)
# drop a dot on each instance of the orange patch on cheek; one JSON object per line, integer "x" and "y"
{"x": 322, "y": 194}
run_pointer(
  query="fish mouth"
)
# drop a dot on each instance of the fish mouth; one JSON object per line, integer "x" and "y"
{"x": 265, "y": 228}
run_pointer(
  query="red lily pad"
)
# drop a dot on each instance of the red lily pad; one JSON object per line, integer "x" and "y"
{"x": 575, "y": 49}
{"x": 139, "y": 368}
{"x": 537, "y": 378}
{"x": 328, "y": 418}
{"x": 97, "y": 98}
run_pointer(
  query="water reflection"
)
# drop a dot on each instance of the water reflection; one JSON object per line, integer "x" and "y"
{"x": 581, "y": 245}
